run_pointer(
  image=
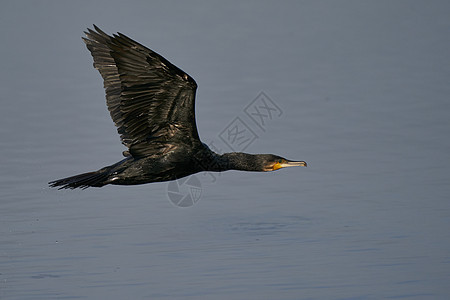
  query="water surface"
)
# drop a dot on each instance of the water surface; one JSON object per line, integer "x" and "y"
{"x": 362, "y": 88}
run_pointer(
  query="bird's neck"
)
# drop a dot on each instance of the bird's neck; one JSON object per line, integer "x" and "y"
{"x": 238, "y": 161}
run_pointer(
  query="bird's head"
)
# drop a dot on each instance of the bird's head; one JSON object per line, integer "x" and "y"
{"x": 256, "y": 162}
{"x": 272, "y": 162}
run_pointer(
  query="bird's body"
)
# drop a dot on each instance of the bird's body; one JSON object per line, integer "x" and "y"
{"x": 152, "y": 103}
{"x": 175, "y": 164}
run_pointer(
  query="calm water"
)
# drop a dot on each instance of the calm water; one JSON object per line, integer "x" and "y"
{"x": 361, "y": 92}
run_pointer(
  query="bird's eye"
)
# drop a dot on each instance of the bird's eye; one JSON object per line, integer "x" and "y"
{"x": 280, "y": 161}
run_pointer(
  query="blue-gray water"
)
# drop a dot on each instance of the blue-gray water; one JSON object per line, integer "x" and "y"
{"x": 363, "y": 88}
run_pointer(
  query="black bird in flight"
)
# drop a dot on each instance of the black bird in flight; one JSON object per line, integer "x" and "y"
{"x": 151, "y": 102}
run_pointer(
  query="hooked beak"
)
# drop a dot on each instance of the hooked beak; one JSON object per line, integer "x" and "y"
{"x": 289, "y": 163}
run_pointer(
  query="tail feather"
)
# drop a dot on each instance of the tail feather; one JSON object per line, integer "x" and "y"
{"x": 83, "y": 181}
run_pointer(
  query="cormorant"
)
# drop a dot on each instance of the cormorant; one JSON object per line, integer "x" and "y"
{"x": 151, "y": 102}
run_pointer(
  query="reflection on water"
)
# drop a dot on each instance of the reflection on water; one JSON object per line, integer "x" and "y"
{"x": 270, "y": 228}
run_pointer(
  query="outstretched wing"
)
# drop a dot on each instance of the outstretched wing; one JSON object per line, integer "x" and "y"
{"x": 151, "y": 101}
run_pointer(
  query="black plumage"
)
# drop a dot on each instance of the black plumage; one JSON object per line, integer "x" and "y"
{"x": 152, "y": 103}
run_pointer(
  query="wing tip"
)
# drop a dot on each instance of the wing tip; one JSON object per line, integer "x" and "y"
{"x": 95, "y": 35}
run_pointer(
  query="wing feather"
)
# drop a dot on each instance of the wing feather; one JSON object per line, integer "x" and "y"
{"x": 151, "y": 101}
